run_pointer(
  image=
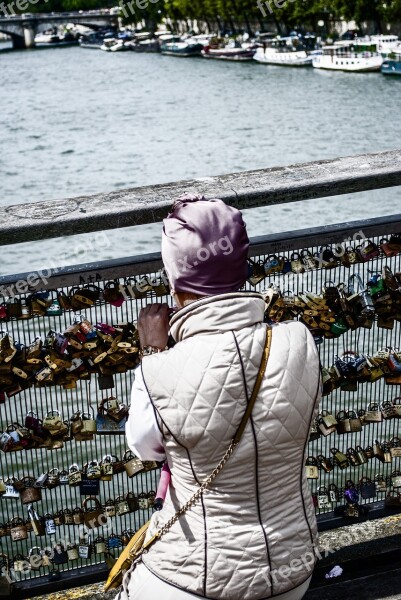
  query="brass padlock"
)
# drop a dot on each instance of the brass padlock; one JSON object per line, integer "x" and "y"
{"x": 53, "y": 478}
{"x": 78, "y": 516}
{"x": 343, "y": 422}
{"x": 100, "y": 545}
{"x": 395, "y": 446}
{"x": 72, "y": 552}
{"x": 89, "y": 422}
{"x": 311, "y": 468}
{"x": 106, "y": 466}
{"x": 340, "y": 458}
{"x": 74, "y": 476}
{"x": 362, "y": 456}
{"x": 122, "y": 507}
{"x": 353, "y": 457}
{"x": 373, "y": 413}
{"x": 327, "y": 423}
{"x": 18, "y": 529}
{"x": 110, "y": 508}
{"x": 324, "y": 463}
{"x": 132, "y": 464}
{"x": 20, "y": 564}
{"x": 68, "y": 517}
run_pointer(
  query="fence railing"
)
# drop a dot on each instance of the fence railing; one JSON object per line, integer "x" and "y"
{"x": 59, "y": 355}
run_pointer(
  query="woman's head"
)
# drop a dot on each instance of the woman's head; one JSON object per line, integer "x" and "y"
{"x": 204, "y": 247}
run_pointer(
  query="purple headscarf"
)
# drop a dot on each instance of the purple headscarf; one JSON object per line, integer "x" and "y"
{"x": 204, "y": 246}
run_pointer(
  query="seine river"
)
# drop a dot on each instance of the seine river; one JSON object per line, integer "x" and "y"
{"x": 75, "y": 121}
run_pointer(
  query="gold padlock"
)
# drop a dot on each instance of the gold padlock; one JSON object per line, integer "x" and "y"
{"x": 132, "y": 464}
{"x": 74, "y": 475}
{"x": 106, "y": 466}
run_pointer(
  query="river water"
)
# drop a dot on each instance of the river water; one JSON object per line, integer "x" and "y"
{"x": 75, "y": 121}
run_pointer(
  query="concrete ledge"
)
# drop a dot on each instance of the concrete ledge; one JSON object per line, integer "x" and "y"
{"x": 249, "y": 189}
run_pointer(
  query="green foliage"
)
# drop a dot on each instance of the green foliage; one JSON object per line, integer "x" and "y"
{"x": 238, "y": 15}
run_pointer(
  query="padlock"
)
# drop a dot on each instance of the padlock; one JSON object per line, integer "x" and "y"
{"x": 151, "y": 495}
{"x": 297, "y": 266}
{"x": 132, "y": 465}
{"x": 74, "y": 476}
{"x": 256, "y": 272}
{"x": 353, "y": 457}
{"x": 388, "y": 410}
{"x": 18, "y": 530}
{"x": 361, "y": 454}
{"x": 112, "y": 293}
{"x": 72, "y": 552}
{"x": 327, "y": 423}
{"x": 351, "y": 511}
{"x": 30, "y": 493}
{"x": 100, "y": 545}
{"x": 37, "y": 524}
{"x": 50, "y": 525}
{"x": 340, "y": 458}
{"x": 378, "y": 451}
{"x": 273, "y": 264}
{"x": 387, "y": 453}
{"x": 88, "y": 422}
{"x": 59, "y": 518}
{"x": 373, "y": 414}
{"x": 324, "y": 463}
{"x": 343, "y": 422}
{"x": 380, "y": 482}
{"x": 395, "y": 478}
{"x": 110, "y": 508}
{"x": 367, "y": 250}
{"x": 308, "y": 260}
{"x": 68, "y": 517}
{"x": 333, "y": 493}
{"x": 314, "y": 433}
{"x": 20, "y": 564}
{"x": 360, "y": 300}
{"x": 323, "y": 498}
{"x": 132, "y": 501}
{"x": 60, "y": 556}
{"x": 53, "y": 478}
{"x": 35, "y": 558}
{"x": 84, "y": 549}
{"x": 122, "y": 506}
{"x": 78, "y": 516}
{"x": 63, "y": 477}
{"x": 143, "y": 498}
{"x": 106, "y": 466}
{"x": 126, "y": 536}
{"x": 395, "y": 447}
{"x": 93, "y": 470}
{"x": 355, "y": 421}
{"x": 114, "y": 541}
{"x": 47, "y": 558}
{"x": 53, "y": 422}
{"x": 3, "y": 488}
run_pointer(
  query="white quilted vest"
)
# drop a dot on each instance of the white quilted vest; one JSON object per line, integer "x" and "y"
{"x": 252, "y": 535}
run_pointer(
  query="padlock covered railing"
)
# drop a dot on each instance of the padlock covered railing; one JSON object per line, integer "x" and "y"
{"x": 65, "y": 385}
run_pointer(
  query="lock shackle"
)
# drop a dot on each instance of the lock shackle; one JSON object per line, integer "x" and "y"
{"x": 358, "y": 278}
{"x": 30, "y": 552}
{"x": 91, "y": 499}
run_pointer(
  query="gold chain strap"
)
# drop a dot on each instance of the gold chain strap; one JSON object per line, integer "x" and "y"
{"x": 234, "y": 442}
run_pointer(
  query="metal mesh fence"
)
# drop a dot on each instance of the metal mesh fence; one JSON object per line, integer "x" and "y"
{"x": 274, "y": 254}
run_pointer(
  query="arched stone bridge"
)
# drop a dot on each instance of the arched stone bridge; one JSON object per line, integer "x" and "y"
{"x": 23, "y": 28}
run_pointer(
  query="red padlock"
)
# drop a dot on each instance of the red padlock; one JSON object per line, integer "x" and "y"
{"x": 3, "y": 312}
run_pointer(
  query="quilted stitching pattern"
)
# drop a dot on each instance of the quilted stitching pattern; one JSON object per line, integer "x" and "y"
{"x": 198, "y": 390}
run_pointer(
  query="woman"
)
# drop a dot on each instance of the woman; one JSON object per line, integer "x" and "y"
{"x": 252, "y": 533}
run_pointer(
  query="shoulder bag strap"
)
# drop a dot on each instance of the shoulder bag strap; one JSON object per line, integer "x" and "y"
{"x": 234, "y": 442}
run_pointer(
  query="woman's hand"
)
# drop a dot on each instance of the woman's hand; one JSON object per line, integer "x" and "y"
{"x": 153, "y": 325}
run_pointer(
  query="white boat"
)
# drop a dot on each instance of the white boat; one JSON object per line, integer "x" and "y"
{"x": 285, "y": 52}
{"x": 113, "y": 45}
{"x": 47, "y": 38}
{"x": 352, "y": 56}
{"x": 385, "y": 43}
{"x": 183, "y": 49}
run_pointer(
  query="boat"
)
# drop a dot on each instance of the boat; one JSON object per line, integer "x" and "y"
{"x": 285, "y": 52}
{"x": 182, "y": 49}
{"x": 114, "y": 45}
{"x": 385, "y": 43}
{"x": 150, "y": 45}
{"x": 352, "y": 56}
{"x": 232, "y": 51}
{"x": 392, "y": 64}
{"x": 47, "y": 38}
